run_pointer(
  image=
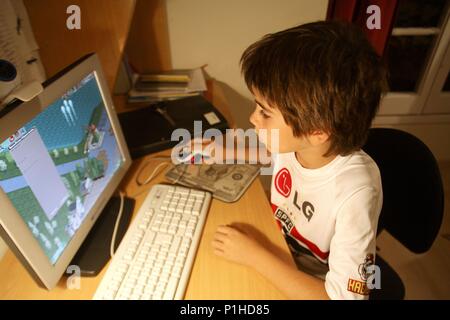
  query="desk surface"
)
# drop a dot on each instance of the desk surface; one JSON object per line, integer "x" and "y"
{"x": 211, "y": 278}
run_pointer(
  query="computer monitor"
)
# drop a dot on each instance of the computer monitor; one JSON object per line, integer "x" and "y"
{"x": 62, "y": 156}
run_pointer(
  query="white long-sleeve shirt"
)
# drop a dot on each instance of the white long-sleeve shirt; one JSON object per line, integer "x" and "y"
{"x": 332, "y": 212}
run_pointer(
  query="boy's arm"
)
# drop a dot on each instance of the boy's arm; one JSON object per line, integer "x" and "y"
{"x": 351, "y": 260}
{"x": 352, "y": 254}
{"x": 294, "y": 283}
{"x": 353, "y": 246}
{"x": 230, "y": 149}
{"x": 236, "y": 246}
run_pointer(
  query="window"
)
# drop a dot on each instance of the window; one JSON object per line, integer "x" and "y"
{"x": 417, "y": 58}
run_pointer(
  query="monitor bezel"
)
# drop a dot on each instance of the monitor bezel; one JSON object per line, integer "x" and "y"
{"x": 13, "y": 228}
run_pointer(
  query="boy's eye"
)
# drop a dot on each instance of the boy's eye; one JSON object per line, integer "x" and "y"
{"x": 263, "y": 114}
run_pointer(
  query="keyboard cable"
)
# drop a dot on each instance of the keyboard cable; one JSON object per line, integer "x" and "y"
{"x": 153, "y": 175}
{"x": 116, "y": 226}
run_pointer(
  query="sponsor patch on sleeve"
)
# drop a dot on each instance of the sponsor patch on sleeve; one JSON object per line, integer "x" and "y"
{"x": 359, "y": 287}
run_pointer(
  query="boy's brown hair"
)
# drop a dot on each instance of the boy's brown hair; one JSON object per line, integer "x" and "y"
{"x": 322, "y": 76}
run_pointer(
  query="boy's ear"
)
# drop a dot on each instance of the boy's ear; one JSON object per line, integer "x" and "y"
{"x": 318, "y": 137}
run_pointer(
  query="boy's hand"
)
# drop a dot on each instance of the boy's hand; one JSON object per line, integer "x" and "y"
{"x": 195, "y": 151}
{"x": 206, "y": 146}
{"x": 235, "y": 245}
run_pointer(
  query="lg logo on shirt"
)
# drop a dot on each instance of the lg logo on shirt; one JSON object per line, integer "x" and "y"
{"x": 283, "y": 184}
{"x": 305, "y": 207}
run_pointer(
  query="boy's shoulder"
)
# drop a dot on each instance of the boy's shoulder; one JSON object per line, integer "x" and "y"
{"x": 354, "y": 171}
{"x": 360, "y": 163}
{"x": 358, "y": 172}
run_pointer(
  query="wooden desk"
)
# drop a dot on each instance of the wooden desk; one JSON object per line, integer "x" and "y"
{"x": 211, "y": 278}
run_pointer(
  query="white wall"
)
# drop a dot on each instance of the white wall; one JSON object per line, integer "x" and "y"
{"x": 216, "y": 33}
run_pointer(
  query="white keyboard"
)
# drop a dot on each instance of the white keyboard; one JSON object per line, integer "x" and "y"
{"x": 155, "y": 257}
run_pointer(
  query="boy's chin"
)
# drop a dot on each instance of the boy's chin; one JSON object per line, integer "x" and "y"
{"x": 279, "y": 150}
{"x": 283, "y": 150}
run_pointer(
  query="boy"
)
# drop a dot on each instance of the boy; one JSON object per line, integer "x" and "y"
{"x": 320, "y": 84}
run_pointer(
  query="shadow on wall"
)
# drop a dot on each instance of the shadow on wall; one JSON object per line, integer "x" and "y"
{"x": 241, "y": 107}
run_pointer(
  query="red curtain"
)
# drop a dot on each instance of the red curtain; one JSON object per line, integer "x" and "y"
{"x": 355, "y": 11}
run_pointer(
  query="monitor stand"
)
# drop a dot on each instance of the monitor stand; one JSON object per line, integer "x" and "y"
{"x": 94, "y": 253}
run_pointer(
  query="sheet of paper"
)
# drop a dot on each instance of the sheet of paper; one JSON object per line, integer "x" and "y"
{"x": 197, "y": 82}
{"x": 18, "y": 45}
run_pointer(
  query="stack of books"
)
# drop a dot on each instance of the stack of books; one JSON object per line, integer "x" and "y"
{"x": 170, "y": 85}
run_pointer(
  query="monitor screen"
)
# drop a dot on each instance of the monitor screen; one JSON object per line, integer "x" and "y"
{"x": 56, "y": 168}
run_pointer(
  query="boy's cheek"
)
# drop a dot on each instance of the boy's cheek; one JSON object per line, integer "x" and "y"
{"x": 286, "y": 144}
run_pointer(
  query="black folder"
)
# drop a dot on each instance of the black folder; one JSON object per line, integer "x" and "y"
{"x": 149, "y": 129}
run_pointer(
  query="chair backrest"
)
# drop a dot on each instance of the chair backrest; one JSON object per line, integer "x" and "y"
{"x": 413, "y": 196}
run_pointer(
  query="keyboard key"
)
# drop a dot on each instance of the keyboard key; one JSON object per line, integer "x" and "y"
{"x": 143, "y": 226}
{"x": 171, "y": 288}
{"x": 157, "y": 295}
{"x": 189, "y": 232}
{"x": 152, "y": 280}
{"x": 182, "y": 190}
{"x": 172, "y": 230}
{"x": 186, "y": 242}
{"x": 176, "y": 271}
{"x": 191, "y": 225}
{"x": 197, "y": 193}
{"x": 180, "y": 209}
{"x": 158, "y": 193}
{"x": 163, "y": 238}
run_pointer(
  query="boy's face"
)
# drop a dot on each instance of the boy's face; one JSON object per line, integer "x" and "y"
{"x": 269, "y": 117}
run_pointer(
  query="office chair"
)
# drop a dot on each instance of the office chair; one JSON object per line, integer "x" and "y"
{"x": 413, "y": 198}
